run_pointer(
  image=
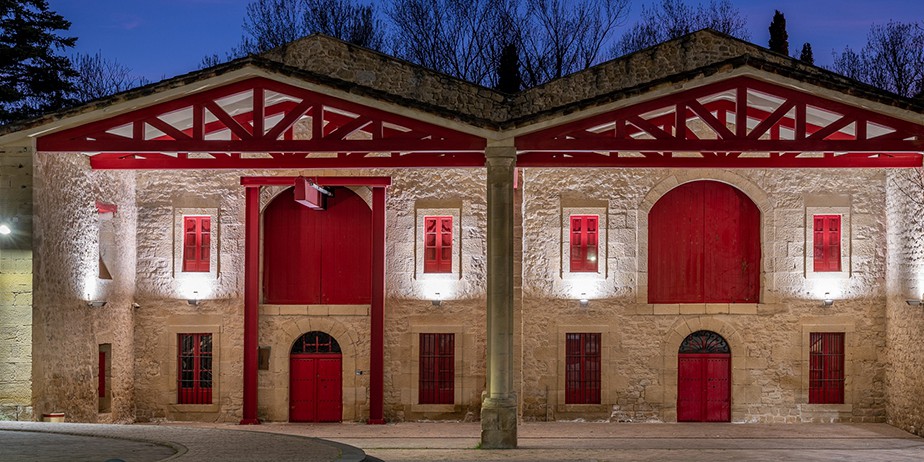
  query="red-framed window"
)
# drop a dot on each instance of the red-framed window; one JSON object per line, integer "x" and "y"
{"x": 437, "y": 244}
{"x": 194, "y": 377}
{"x": 827, "y": 242}
{"x": 826, "y": 368}
{"x": 437, "y": 369}
{"x": 196, "y": 242}
{"x": 584, "y": 234}
{"x": 582, "y": 368}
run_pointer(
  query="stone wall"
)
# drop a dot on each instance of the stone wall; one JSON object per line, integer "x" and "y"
{"x": 16, "y": 283}
{"x": 67, "y": 333}
{"x": 768, "y": 340}
{"x": 905, "y": 323}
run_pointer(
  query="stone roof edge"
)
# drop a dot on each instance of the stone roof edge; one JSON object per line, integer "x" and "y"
{"x": 820, "y": 77}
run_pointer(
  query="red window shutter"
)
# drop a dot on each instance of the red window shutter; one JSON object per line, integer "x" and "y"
{"x": 582, "y": 368}
{"x": 437, "y": 244}
{"x": 826, "y": 233}
{"x": 196, "y": 244}
{"x": 436, "y": 383}
{"x": 584, "y": 233}
{"x": 826, "y": 368}
{"x": 194, "y": 364}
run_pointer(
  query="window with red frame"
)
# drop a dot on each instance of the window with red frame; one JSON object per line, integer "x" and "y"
{"x": 827, "y": 243}
{"x": 437, "y": 244}
{"x": 194, "y": 381}
{"x": 437, "y": 369}
{"x": 196, "y": 242}
{"x": 826, "y": 368}
{"x": 582, "y": 368}
{"x": 584, "y": 243}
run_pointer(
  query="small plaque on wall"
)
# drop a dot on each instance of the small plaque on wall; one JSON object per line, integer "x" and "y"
{"x": 263, "y": 358}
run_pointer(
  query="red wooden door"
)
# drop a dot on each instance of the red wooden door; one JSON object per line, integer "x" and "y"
{"x": 704, "y": 388}
{"x": 315, "y": 388}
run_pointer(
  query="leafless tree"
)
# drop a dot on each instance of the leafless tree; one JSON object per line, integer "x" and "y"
{"x": 670, "y": 19}
{"x": 893, "y": 59}
{"x": 98, "y": 76}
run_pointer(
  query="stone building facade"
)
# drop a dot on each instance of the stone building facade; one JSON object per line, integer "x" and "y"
{"x": 87, "y": 230}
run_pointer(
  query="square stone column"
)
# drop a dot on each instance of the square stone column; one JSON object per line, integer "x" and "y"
{"x": 499, "y": 406}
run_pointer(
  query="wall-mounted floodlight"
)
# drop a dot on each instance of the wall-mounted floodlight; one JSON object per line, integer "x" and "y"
{"x": 913, "y": 302}
{"x": 827, "y": 301}
{"x": 5, "y": 229}
{"x": 96, "y": 303}
{"x": 437, "y": 301}
{"x": 194, "y": 301}
{"x": 584, "y": 302}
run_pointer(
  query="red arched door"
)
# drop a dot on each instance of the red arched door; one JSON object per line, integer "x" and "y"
{"x": 704, "y": 378}
{"x": 315, "y": 379}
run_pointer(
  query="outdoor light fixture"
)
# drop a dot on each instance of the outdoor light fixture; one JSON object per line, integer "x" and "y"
{"x": 584, "y": 301}
{"x": 437, "y": 301}
{"x": 5, "y": 229}
{"x": 194, "y": 301}
{"x": 96, "y": 303}
{"x": 827, "y": 301}
{"x": 913, "y": 302}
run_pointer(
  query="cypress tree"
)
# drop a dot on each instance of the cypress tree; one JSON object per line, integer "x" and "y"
{"x": 807, "y": 56}
{"x": 779, "y": 39}
{"x": 509, "y": 79}
{"x": 34, "y": 79}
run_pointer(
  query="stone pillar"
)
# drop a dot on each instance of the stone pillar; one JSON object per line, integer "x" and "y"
{"x": 499, "y": 407}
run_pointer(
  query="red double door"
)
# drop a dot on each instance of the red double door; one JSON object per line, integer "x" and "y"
{"x": 704, "y": 387}
{"x": 315, "y": 388}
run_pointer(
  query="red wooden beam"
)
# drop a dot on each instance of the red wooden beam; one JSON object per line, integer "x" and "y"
{"x": 849, "y": 160}
{"x": 157, "y": 161}
{"x": 372, "y": 181}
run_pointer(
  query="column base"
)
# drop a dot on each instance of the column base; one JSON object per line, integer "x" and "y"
{"x": 250, "y": 422}
{"x": 375, "y": 422}
{"x": 499, "y": 423}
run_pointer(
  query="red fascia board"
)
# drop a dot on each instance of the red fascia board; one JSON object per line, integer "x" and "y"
{"x": 372, "y": 181}
{"x": 736, "y": 145}
{"x": 850, "y": 160}
{"x": 102, "y": 207}
{"x": 157, "y": 161}
{"x": 258, "y": 145}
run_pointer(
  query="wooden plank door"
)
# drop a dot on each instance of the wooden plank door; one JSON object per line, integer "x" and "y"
{"x": 315, "y": 388}
{"x": 330, "y": 391}
{"x": 704, "y": 388}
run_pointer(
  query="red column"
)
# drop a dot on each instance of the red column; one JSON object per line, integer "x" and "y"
{"x": 251, "y": 303}
{"x": 377, "y": 353}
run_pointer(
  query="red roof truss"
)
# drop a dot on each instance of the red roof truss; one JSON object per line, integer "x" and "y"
{"x": 739, "y": 122}
{"x": 261, "y": 123}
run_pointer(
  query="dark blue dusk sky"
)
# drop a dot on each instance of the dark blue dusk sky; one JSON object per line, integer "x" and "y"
{"x": 163, "y": 38}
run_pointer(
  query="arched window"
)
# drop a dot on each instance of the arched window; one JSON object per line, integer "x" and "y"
{"x": 704, "y": 246}
{"x": 316, "y": 342}
{"x": 317, "y": 256}
{"x": 704, "y": 342}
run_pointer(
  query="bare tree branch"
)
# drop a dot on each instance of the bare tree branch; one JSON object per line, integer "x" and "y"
{"x": 98, "y": 77}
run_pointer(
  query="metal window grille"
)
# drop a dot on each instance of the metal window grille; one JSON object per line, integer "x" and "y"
{"x": 316, "y": 342}
{"x": 827, "y": 243}
{"x": 584, "y": 233}
{"x": 582, "y": 368}
{"x": 437, "y": 369}
{"x": 437, "y": 244}
{"x": 196, "y": 244}
{"x": 826, "y": 368}
{"x": 194, "y": 382}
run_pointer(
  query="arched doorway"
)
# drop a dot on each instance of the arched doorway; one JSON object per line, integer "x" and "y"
{"x": 704, "y": 378}
{"x": 315, "y": 379}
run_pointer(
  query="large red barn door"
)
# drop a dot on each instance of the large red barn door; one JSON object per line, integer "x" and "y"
{"x": 704, "y": 379}
{"x": 315, "y": 379}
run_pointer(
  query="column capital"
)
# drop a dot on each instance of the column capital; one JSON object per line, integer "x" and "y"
{"x": 500, "y": 150}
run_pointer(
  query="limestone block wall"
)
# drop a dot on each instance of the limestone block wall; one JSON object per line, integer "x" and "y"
{"x": 67, "y": 333}
{"x": 905, "y": 323}
{"x": 16, "y": 184}
{"x": 769, "y": 340}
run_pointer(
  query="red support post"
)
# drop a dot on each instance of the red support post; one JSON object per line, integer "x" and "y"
{"x": 377, "y": 353}
{"x": 251, "y": 303}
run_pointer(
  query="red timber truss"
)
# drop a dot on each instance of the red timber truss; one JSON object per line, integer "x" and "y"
{"x": 739, "y": 122}
{"x": 261, "y": 123}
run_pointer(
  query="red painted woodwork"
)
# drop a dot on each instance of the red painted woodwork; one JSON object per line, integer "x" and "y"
{"x": 826, "y": 368}
{"x": 704, "y": 387}
{"x": 309, "y": 194}
{"x": 196, "y": 244}
{"x": 102, "y": 207}
{"x": 265, "y": 112}
{"x": 315, "y": 388}
{"x": 370, "y": 181}
{"x": 251, "y": 303}
{"x": 826, "y": 231}
{"x": 739, "y": 132}
{"x": 704, "y": 246}
{"x": 101, "y": 386}
{"x": 582, "y": 368}
{"x": 437, "y": 244}
{"x": 317, "y": 257}
{"x": 437, "y": 369}
{"x": 194, "y": 377}
{"x": 584, "y": 232}
{"x": 377, "y": 319}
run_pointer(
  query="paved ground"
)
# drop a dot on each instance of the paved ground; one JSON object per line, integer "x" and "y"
{"x": 560, "y": 441}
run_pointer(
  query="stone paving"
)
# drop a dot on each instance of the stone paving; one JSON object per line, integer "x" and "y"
{"x": 557, "y": 441}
